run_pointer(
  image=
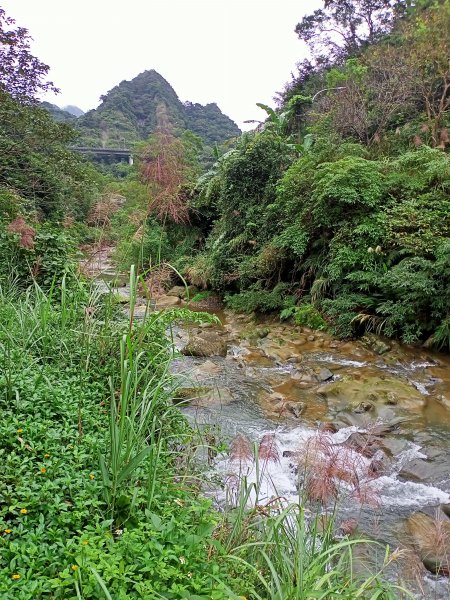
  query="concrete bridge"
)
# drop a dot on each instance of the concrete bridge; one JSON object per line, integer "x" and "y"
{"x": 106, "y": 154}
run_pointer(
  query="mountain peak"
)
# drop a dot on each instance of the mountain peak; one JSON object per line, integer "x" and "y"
{"x": 128, "y": 113}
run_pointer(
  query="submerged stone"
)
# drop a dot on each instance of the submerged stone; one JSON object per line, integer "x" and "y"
{"x": 375, "y": 344}
{"x": 431, "y": 540}
{"x": 207, "y": 343}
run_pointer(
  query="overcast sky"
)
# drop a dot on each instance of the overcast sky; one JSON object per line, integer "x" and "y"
{"x": 232, "y": 52}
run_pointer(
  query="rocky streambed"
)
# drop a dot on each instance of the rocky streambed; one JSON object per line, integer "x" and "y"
{"x": 383, "y": 409}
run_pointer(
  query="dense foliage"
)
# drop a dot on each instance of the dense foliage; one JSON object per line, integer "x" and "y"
{"x": 22, "y": 75}
{"x": 128, "y": 114}
{"x": 356, "y": 220}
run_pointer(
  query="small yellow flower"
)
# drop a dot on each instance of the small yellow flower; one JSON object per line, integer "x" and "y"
{"x": 15, "y": 576}
{"x": 91, "y": 476}
{"x": 19, "y": 431}
{"x": 43, "y": 470}
{"x": 7, "y": 530}
{"x": 23, "y": 511}
{"x": 74, "y": 567}
{"x": 85, "y": 542}
{"x": 46, "y": 455}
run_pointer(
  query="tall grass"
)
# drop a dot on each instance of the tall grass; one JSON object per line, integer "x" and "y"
{"x": 265, "y": 550}
{"x": 292, "y": 551}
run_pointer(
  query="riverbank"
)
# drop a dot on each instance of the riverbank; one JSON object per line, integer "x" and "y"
{"x": 381, "y": 405}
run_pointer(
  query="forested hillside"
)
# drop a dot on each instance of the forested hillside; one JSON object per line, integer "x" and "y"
{"x": 337, "y": 209}
{"x": 334, "y": 213}
{"x": 127, "y": 114}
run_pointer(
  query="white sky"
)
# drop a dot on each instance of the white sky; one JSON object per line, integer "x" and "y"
{"x": 232, "y": 52}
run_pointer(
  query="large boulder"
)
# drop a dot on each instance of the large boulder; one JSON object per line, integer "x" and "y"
{"x": 206, "y": 343}
{"x": 279, "y": 352}
{"x": 163, "y": 302}
{"x": 375, "y": 344}
{"x": 184, "y": 292}
{"x": 178, "y": 291}
{"x": 202, "y": 396}
{"x": 372, "y": 390}
{"x": 431, "y": 540}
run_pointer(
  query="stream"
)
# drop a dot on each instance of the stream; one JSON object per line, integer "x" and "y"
{"x": 386, "y": 407}
{"x": 390, "y": 410}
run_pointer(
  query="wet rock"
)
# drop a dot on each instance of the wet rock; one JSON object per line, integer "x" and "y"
{"x": 363, "y": 407}
{"x": 362, "y": 444}
{"x": 311, "y": 338}
{"x": 431, "y": 540}
{"x": 277, "y": 352}
{"x": 206, "y": 370}
{"x": 420, "y": 469}
{"x": 299, "y": 340}
{"x": 325, "y": 375}
{"x": 375, "y": 344}
{"x": 391, "y": 424}
{"x": 295, "y": 408}
{"x": 392, "y": 445}
{"x": 207, "y": 343}
{"x": 217, "y": 396}
{"x": 288, "y": 453}
{"x": 415, "y": 470}
{"x": 189, "y": 393}
{"x": 444, "y": 401}
{"x": 328, "y": 428}
{"x": 306, "y": 376}
{"x": 378, "y": 465}
{"x": 166, "y": 302}
{"x": 391, "y": 399}
{"x": 446, "y": 509}
{"x": 178, "y": 291}
{"x": 295, "y": 359}
{"x": 372, "y": 388}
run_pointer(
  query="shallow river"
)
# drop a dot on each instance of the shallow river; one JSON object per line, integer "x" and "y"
{"x": 387, "y": 413}
{"x": 397, "y": 404}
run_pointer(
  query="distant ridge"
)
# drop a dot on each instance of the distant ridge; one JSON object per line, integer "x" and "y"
{"x": 59, "y": 114}
{"x": 73, "y": 110}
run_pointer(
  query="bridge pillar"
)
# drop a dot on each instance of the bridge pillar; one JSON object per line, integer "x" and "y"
{"x": 130, "y": 159}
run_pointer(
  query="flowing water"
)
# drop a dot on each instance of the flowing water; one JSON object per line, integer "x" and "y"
{"x": 286, "y": 381}
{"x": 406, "y": 391}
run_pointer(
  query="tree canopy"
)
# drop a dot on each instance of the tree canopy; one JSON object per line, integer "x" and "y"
{"x": 22, "y": 75}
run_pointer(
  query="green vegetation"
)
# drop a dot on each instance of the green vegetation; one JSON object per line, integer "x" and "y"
{"x": 101, "y": 486}
{"x": 128, "y": 114}
{"x": 341, "y": 200}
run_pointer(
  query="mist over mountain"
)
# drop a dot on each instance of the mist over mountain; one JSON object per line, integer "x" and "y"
{"x": 73, "y": 110}
{"x": 59, "y": 115}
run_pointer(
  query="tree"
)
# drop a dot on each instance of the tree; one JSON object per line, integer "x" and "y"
{"x": 22, "y": 75}
{"x": 167, "y": 164}
{"x": 342, "y": 27}
{"x": 425, "y": 52}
